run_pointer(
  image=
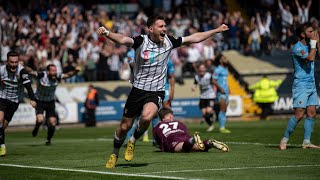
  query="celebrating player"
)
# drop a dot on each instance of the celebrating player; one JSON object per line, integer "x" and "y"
{"x": 207, "y": 94}
{"x": 47, "y": 82}
{"x": 13, "y": 78}
{"x": 151, "y": 56}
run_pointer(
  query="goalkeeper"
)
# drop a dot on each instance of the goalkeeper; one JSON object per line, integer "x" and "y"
{"x": 173, "y": 136}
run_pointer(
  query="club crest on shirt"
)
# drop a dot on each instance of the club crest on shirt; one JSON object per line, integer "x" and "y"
{"x": 300, "y": 102}
{"x": 148, "y": 56}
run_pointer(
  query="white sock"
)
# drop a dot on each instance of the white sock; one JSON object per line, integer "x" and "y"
{"x": 3, "y": 146}
{"x": 132, "y": 139}
{"x": 145, "y": 133}
{"x": 285, "y": 139}
{"x": 306, "y": 141}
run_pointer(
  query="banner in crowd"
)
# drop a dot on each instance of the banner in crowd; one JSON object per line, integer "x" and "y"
{"x": 182, "y": 108}
{"x": 25, "y": 114}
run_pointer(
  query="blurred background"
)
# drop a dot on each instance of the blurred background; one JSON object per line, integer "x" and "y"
{"x": 64, "y": 33}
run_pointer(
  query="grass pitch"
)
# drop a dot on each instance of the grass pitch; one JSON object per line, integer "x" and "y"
{"x": 80, "y": 153}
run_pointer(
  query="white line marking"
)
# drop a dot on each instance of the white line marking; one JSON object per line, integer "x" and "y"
{"x": 94, "y": 172}
{"x": 235, "y": 168}
{"x": 109, "y": 139}
{"x": 259, "y": 144}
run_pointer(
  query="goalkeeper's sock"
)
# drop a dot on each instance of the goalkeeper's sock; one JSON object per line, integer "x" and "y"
{"x": 292, "y": 124}
{"x": 207, "y": 145}
{"x": 187, "y": 145}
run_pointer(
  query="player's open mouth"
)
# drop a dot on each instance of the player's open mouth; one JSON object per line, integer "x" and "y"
{"x": 162, "y": 34}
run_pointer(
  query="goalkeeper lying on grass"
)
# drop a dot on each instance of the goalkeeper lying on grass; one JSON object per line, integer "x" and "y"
{"x": 173, "y": 136}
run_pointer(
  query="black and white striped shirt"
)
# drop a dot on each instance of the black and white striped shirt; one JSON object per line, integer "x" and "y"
{"x": 12, "y": 83}
{"x": 151, "y": 58}
{"x": 205, "y": 85}
{"x": 46, "y": 87}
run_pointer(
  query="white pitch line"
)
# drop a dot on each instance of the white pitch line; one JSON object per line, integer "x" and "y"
{"x": 93, "y": 172}
{"x": 109, "y": 139}
{"x": 234, "y": 168}
{"x": 259, "y": 144}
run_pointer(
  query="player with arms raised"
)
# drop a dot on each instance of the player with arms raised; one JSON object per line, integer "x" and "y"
{"x": 151, "y": 56}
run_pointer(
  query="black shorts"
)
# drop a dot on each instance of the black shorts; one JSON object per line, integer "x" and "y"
{"x": 9, "y": 108}
{"x": 49, "y": 107}
{"x": 206, "y": 103}
{"x": 138, "y": 98}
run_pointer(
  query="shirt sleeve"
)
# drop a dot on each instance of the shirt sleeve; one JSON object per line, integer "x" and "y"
{"x": 300, "y": 52}
{"x": 137, "y": 41}
{"x": 25, "y": 78}
{"x": 176, "y": 41}
{"x": 59, "y": 77}
{"x": 195, "y": 80}
{"x": 215, "y": 74}
{"x": 40, "y": 75}
{"x": 27, "y": 83}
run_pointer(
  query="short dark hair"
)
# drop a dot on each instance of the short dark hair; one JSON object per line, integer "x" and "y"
{"x": 153, "y": 19}
{"x": 164, "y": 111}
{"x": 217, "y": 59}
{"x": 301, "y": 29}
{"x": 12, "y": 54}
{"x": 49, "y": 66}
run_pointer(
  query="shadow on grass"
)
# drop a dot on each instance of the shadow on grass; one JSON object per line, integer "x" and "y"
{"x": 38, "y": 145}
{"x": 158, "y": 151}
{"x": 132, "y": 165}
{"x": 13, "y": 154}
{"x": 288, "y": 147}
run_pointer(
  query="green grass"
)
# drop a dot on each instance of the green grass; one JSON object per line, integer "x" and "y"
{"x": 254, "y": 155}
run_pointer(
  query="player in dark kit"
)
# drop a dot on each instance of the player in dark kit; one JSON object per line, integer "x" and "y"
{"x": 47, "y": 82}
{"x": 173, "y": 136}
{"x": 13, "y": 77}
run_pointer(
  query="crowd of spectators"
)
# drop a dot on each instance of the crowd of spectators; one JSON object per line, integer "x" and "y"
{"x": 65, "y": 35}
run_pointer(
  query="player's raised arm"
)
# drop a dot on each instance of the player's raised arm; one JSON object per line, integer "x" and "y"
{"x": 115, "y": 37}
{"x": 201, "y": 36}
{"x": 27, "y": 84}
{"x": 31, "y": 71}
{"x": 70, "y": 73}
{"x": 313, "y": 44}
